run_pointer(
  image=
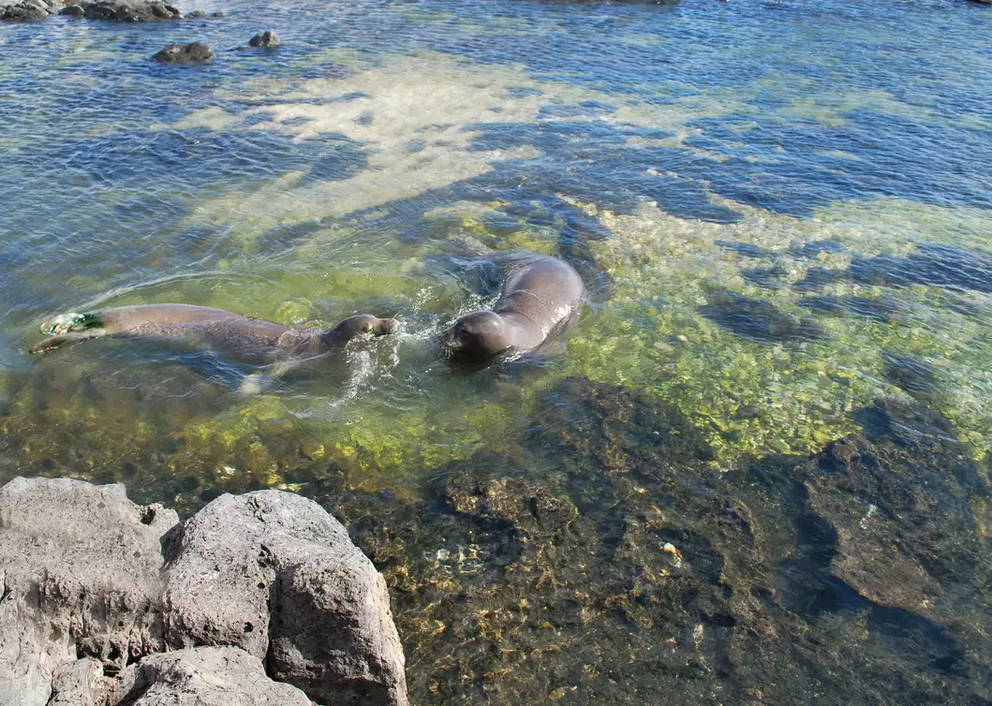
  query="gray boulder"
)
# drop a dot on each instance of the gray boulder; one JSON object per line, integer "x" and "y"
{"x": 93, "y": 588}
{"x": 72, "y": 11}
{"x": 80, "y": 569}
{"x": 265, "y": 40}
{"x": 206, "y": 676}
{"x": 184, "y": 54}
{"x": 276, "y": 575}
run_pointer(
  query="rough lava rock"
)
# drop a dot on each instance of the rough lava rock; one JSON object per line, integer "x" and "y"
{"x": 184, "y": 54}
{"x": 265, "y": 40}
{"x": 88, "y": 602}
{"x": 274, "y": 574}
{"x": 206, "y": 676}
{"x": 80, "y": 570}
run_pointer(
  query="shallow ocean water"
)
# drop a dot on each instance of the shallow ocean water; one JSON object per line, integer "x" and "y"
{"x": 782, "y": 213}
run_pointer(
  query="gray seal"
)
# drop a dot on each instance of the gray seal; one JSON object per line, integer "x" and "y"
{"x": 242, "y": 336}
{"x": 540, "y": 296}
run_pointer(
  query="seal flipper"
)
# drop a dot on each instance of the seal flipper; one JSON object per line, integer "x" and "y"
{"x": 259, "y": 382}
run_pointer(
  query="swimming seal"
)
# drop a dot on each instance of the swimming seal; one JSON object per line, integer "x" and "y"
{"x": 540, "y": 296}
{"x": 245, "y": 337}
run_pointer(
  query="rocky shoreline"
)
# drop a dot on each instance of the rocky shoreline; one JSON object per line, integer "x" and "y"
{"x": 257, "y": 599}
{"x": 119, "y": 10}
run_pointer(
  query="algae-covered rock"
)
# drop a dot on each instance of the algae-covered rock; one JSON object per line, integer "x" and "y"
{"x": 607, "y": 545}
{"x": 624, "y": 430}
{"x": 901, "y": 506}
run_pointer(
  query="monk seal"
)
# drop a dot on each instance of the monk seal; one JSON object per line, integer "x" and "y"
{"x": 540, "y": 296}
{"x": 242, "y": 336}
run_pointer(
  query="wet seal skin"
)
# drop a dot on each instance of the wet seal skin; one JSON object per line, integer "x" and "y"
{"x": 242, "y": 336}
{"x": 539, "y": 297}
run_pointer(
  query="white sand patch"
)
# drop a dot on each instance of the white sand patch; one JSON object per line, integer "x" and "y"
{"x": 210, "y": 118}
{"x": 417, "y": 117}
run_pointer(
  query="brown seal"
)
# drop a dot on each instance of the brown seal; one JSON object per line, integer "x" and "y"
{"x": 242, "y": 336}
{"x": 540, "y": 295}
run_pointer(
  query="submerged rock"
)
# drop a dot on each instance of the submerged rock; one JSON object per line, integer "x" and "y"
{"x": 184, "y": 54}
{"x": 265, "y": 40}
{"x": 90, "y": 602}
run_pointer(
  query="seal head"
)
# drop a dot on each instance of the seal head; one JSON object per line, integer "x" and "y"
{"x": 354, "y": 326}
{"x": 480, "y": 334}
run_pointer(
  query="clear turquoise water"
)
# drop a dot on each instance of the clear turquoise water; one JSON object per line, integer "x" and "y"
{"x": 782, "y": 210}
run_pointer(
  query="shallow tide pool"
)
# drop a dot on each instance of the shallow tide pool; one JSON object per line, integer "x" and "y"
{"x": 756, "y": 470}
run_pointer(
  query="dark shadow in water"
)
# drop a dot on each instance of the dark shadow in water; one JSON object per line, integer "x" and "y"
{"x": 918, "y": 379}
{"x": 744, "y": 249}
{"x": 592, "y": 161}
{"x": 932, "y": 265}
{"x": 883, "y": 310}
{"x": 756, "y": 319}
{"x": 767, "y": 277}
{"x": 813, "y": 248}
{"x": 198, "y": 158}
{"x": 800, "y": 168}
{"x": 917, "y": 428}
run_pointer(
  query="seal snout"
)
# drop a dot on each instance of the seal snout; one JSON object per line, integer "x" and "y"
{"x": 481, "y": 334}
{"x": 450, "y": 340}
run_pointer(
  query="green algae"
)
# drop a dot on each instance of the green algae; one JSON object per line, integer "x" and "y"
{"x": 778, "y": 393}
{"x": 753, "y": 397}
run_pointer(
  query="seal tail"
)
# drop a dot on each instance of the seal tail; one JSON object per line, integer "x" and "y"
{"x": 52, "y": 342}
